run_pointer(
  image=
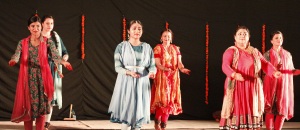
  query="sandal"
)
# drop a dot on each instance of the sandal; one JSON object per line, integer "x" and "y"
{"x": 163, "y": 125}
{"x": 47, "y": 125}
{"x": 157, "y": 124}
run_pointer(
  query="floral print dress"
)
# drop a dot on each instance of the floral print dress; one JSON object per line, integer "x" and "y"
{"x": 39, "y": 101}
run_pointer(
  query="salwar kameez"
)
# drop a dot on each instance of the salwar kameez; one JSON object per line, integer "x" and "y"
{"x": 130, "y": 102}
{"x": 166, "y": 95}
{"x": 35, "y": 85}
{"x": 57, "y": 80}
{"x": 279, "y": 93}
{"x": 243, "y": 103}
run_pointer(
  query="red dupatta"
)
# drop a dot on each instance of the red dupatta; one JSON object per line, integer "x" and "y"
{"x": 22, "y": 105}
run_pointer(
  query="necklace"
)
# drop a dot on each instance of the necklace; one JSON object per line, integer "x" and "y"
{"x": 166, "y": 47}
{"x": 35, "y": 41}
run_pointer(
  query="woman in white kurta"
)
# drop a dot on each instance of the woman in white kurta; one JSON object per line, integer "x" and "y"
{"x": 134, "y": 63}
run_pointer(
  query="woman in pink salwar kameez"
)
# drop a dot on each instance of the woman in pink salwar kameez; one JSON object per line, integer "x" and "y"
{"x": 279, "y": 93}
{"x": 243, "y": 102}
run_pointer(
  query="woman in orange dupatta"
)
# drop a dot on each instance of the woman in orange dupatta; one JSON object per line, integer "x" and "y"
{"x": 35, "y": 85}
{"x": 165, "y": 94}
{"x": 279, "y": 93}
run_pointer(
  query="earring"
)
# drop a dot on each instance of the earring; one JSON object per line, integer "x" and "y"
{"x": 160, "y": 40}
{"x": 128, "y": 36}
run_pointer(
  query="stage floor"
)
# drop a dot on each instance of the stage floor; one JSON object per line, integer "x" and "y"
{"x": 107, "y": 125}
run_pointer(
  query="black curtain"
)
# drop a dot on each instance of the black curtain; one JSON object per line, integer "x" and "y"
{"x": 89, "y": 87}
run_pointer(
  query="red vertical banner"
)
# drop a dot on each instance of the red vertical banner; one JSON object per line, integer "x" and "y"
{"x": 124, "y": 29}
{"x": 82, "y": 37}
{"x": 263, "y": 39}
{"x": 206, "y": 62}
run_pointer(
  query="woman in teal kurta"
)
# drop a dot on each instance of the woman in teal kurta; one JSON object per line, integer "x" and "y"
{"x": 56, "y": 69}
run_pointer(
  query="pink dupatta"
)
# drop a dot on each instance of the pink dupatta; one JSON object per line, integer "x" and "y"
{"x": 285, "y": 92}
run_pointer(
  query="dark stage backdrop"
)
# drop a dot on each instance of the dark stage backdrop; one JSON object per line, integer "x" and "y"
{"x": 89, "y": 87}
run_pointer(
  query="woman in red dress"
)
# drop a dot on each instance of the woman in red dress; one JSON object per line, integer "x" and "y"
{"x": 279, "y": 93}
{"x": 243, "y": 103}
{"x": 165, "y": 93}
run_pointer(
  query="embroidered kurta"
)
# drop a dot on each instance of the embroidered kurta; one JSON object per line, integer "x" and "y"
{"x": 57, "y": 81}
{"x": 243, "y": 100}
{"x": 279, "y": 93}
{"x": 130, "y": 102}
{"x": 165, "y": 92}
{"x": 35, "y": 85}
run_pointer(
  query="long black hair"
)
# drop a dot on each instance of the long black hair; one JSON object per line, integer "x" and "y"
{"x": 33, "y": 18}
